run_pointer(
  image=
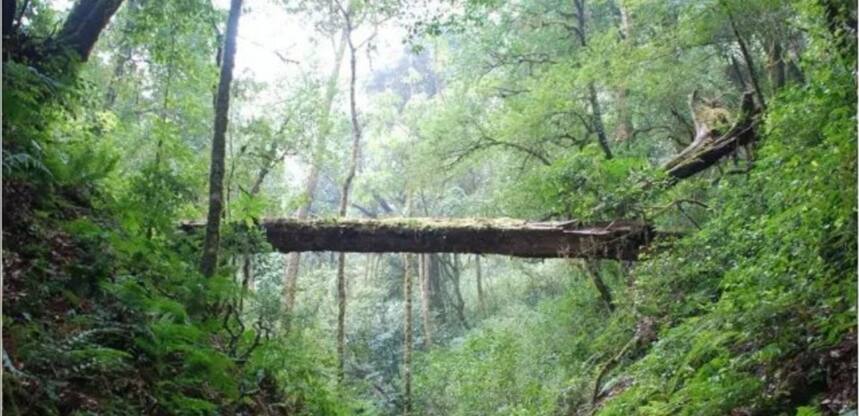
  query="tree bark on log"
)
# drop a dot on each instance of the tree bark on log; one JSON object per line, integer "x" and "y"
{"x": 619, "y": 240}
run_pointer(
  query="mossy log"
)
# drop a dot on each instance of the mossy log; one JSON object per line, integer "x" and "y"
{"x": 616, "y": 240}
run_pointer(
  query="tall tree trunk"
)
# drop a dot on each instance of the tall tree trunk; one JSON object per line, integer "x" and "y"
{"x": 776, "y": 65}
{"x": 625, "y": 21}
{"x": 593, "y": 270}
{"x": 163, "y": 115}
{"x": 580, "y": 31}
{"x": 209, "y": 261}
{"x": 247, "y": 279}
{"x": 738, "y": 77}
{"x": 344, "y": 199}
{"x": 625, "y": 127}
{"x": 460, "y": 302}
{"x": 424, "y": 278}
{"x": 596, "y": 112}
{"x": 123, "y": 57}
{"x": 293, "y": 260}
{"x": 436, "y": 289}
{"x": 407, "y": 338}
{"x": 750, "y": 64}
{"x": 481, "y": 302}
{"x": 341, "y": 315}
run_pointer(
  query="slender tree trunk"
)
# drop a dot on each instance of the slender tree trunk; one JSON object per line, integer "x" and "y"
{"x": 738, "y": 73}
{"x": 460, "y": 302}
{"x": 625, "y": 21}
{"x": 436, "y": 289}
{"x": 593, "y": 270}
{"x": 597, "y": 120}
{"x": 625, "y": 127}
{"x": 368, "y": 268}
{"x": 481, "y": 302}
{"x": 426, "y": 317}
{"x": 344, "y": 201}
{"x": 118, "y": 74}
{"x": 293, "y": 260}
{"x": 341, "y": 315}
{"x": 750, "y": 64}
{"x": 209, "y": 261}
{"x": 163, "y": 115}
{"x": 247, "y": 279}
{"x": 123, "y": 57}
{"x": 407, "y": 338}
{"x": 596, "y": 111}
{"x": 777, "y": 70}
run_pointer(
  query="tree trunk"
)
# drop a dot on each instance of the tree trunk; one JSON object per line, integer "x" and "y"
{"x": 247, "y": 279}
{"x": 407, "y": 337}
{"x": 738, "y": 76}
{"x": 625, "y": 21}
{"x": 593, "y": 270}
{"x": 122, "y": 58}
{"x": 209, "y": 261}
{"x": 85, "y": 23}
{"x": 777, "y": 68}
{"x": 580, "y": 32}
{"x": 597, "y": 120}
{"x": 750, "y": 64}
{"x": 341, "y": 315}
{"x": 344, "y": 199}
{"x": 436, "y": 288}
{"x": 460, "y": 302}
{"x": 481, "y": 302}
{"x": 625, "y": 128}
{"x": 293, "y": 259}
{"x": 426, "y": 316}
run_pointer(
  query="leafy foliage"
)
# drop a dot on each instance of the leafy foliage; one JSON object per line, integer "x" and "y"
{"x": 749, "y": 309}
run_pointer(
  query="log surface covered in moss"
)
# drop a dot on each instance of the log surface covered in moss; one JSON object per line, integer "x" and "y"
{"x": 615, "y": 240}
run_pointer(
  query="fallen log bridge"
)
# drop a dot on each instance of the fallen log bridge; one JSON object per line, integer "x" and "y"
{"x": 616, "y": 240}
